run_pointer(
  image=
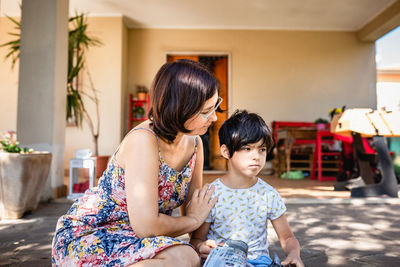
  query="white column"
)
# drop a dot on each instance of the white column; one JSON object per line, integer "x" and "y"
{"x": 42, "y": 82}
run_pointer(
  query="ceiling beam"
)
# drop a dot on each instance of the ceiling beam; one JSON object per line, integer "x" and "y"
{"x": 386, "y": 21}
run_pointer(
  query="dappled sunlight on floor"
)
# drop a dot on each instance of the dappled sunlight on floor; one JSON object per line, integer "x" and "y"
{"x": 312, "y": 193}
{"x": 348, "y": 235}
{"x": 304, "y": 188}
{"x": 352, "y": 234}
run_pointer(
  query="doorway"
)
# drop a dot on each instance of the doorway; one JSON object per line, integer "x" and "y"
{"x": 218, "y": 65}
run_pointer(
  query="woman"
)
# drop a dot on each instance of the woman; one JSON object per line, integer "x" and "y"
{"x": 158, "y": 167}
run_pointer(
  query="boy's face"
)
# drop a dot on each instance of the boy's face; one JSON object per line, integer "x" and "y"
{"x": 249, "y": 160}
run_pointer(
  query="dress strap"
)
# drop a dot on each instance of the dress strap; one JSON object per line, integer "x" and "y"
{"x": 195, "y": 144}
{"x": 151, "y": 131}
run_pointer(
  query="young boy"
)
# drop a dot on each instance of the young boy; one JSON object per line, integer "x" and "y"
{"x": 245, "y": 202}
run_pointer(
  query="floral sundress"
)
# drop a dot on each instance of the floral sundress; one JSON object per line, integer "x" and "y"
{"x": 96, "y": 230}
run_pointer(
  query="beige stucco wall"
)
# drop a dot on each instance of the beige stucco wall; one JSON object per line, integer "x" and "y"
{"x": 8, "y": 81}
{"x": 124, "y": 83}
{"x": 282, "y": 75}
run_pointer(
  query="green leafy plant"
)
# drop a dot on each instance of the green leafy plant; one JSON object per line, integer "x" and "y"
{"x": 13, "y": 45}
{"x": 321, "y": 120}
{"x": 142, "y": 89}
{"x": 139, "y": 111}
{"x": 78, "y": 44}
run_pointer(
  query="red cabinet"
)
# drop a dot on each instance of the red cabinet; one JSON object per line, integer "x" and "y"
{"x": 138, "y": 110}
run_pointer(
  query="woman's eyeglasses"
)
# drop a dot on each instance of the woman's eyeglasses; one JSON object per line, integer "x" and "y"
{"x": 206, "y": 116}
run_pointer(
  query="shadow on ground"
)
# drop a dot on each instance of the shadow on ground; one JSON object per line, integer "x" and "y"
{"x": 330, "y": 234}
{"x": 346, "y": 235}
{"x": 27, "y": 241}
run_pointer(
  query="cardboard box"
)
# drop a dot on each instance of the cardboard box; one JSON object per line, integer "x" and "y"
{"x": 367, "y": 122}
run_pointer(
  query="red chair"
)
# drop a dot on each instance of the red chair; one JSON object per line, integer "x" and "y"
{"x": 358, "y": 157}
{"x": 333, "y": 158}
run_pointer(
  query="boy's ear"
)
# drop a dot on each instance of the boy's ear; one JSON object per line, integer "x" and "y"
{"x": 224, "y": 151}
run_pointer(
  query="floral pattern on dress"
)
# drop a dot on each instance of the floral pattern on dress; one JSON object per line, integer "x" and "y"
{"x": 96, "y": 230}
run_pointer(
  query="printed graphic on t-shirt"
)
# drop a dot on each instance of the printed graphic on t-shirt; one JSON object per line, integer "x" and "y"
{"x": 243, "y": 214}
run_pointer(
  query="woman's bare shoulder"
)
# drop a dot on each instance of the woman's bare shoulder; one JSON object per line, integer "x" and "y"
{"x": 141, "y": 140}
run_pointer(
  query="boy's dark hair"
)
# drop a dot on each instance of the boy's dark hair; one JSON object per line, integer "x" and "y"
{"x": 244, "y": 128}
{"x": 179, "y": 91}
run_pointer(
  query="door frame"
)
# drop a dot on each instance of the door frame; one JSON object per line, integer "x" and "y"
{"x": 209, "y": 53}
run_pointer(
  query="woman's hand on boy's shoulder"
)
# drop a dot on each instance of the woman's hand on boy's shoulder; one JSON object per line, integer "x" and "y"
{"x": 201, "y": 204}
{"x": 205, "y": 247}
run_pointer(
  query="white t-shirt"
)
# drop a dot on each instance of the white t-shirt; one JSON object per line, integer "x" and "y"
{"x": 243, "y": 214}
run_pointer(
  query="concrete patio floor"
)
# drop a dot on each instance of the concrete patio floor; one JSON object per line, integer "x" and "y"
{"x": 333, "y": 230}
{"x": 303, "y": 188}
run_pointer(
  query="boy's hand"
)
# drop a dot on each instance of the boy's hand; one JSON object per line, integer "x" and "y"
{"x": 294, "y": 259}
{"x": 205, "y": 247}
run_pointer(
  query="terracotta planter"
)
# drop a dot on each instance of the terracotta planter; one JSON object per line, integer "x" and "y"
{"x": 101, "y": 165}
{"x": 141, "y": 96}
{"x": 22, "y": 179}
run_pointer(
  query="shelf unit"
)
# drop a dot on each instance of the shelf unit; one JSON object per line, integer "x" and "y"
{"x": 132, "y": 103}
{"x": 302, "y": 159}
{"x": 300, "y": 146}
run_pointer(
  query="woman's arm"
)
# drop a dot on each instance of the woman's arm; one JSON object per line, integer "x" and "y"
{"x": 197, "y": 177}
{"x": 199, "y": 237}
{"x": 288, "y": 241}
{"x": 200, "y": 242}
{"x": 139, "y": 157}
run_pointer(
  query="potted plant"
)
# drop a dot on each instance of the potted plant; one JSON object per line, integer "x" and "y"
{"x": 141, "y": 92}
{"x": 23, "y": 174}
{"x": 78, "y": 44}
{"x": 320, "y": 123}
{"x": 101, "y": 160}
{"x": 138, "y": 111}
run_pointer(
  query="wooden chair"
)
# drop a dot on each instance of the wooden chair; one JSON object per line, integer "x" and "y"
{"x": 294, "y": 143}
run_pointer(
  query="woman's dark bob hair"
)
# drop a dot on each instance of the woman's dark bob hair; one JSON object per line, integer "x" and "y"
{"x": 244, "y": 128}
{"x": 179, "y": 91}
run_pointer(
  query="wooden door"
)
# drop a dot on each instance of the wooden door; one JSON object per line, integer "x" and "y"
{"x": 172, "y": 58}
{"x": 220, "y": 70}
{"x": 218, "y": 162}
